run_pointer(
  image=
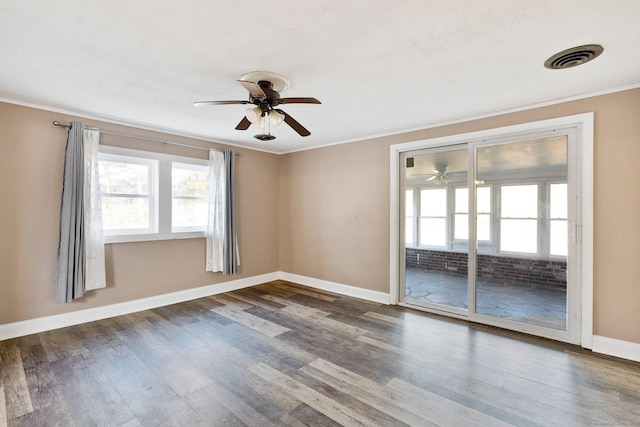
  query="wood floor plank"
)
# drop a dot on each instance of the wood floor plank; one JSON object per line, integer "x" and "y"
{"x": 3, "y": 408}
{"x": 250, "y": 321}
{"x": 235, "y": 404}
{"x": 209, "y": 410}
{"x": 436, "y": 408}
{"x": 57, "y": 415}
{"x": 306, "y": 291}
{"x": 84, "y": 381}
{"x": 599, "y": 411}
{"x": 363, "y": 389}
{"x": 305, "y": 415}
{"x": 378, "y": 316}
{"x": 256, "y": 300}
{"x": 229, "y": 301}
{"x": 327, "y": 406}
{"x": 318, "y": 317}
{"x": 14, "y": 381}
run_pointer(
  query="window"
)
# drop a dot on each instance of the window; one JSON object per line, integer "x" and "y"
{"x": 152, "y": 196}
{"x": 129, "y": 194}
{"x": 189, "y": 197}
{"x": 519, "y": 218}
{"x": 461, "y": 213}
{"x": 433, "y": 217}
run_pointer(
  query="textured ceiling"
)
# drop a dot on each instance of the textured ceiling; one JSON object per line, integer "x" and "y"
{"x": 379, "y": 67}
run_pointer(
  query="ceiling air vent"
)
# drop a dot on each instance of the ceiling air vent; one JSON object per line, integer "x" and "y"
{"x": 573, "y": 57}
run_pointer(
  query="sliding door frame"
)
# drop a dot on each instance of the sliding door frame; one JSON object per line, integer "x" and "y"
{"x": 582, "y": 125}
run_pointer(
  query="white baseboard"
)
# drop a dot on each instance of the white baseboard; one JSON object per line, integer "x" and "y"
{"x": 339, "y": 288}
{"x": 32, "y": 326}
{"x": 618, "y": 348}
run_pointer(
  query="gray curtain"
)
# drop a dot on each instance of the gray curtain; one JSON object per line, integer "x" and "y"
{"x": 230, "y": 250}
{"x": 69, "y": 280}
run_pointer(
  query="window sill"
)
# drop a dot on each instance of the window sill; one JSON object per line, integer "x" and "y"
{"x": 130, "y": 238}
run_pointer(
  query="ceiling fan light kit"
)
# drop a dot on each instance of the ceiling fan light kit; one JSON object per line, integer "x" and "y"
{"x": 264, "y": 92}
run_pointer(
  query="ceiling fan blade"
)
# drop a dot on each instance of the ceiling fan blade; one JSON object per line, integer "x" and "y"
{"x": 253, "y": 88}
{"x": 432, "y": 178}
{"x": 299, "y": 101}
{"x": 294, "y": 124}
{"x": 244, "y": 124}
{"x": 203, "y": 103}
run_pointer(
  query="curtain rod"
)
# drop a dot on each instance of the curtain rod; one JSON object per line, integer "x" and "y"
{"x": 164, "y": 141}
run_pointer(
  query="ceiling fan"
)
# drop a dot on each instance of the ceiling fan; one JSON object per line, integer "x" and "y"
{"x": 264, "y": 92}
{"x": 440, "y": 176}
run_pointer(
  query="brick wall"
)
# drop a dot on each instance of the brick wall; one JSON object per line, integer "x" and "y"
{"x": 510, "y": 269}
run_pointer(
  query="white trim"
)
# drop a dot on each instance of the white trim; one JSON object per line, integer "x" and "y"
{"x": 585, "y": 138}
{"x": 394, "y": 225}
{"x": 41, "y": 324}
{"x": 339, "y": 288}
{"x": 618, "y": 348}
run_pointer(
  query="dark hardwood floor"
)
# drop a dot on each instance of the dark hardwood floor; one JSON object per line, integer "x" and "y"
{"x": 284, "y": 354}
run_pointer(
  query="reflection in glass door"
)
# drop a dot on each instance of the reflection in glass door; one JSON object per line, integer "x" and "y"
{"x": 522, "y": 275}
{"x": 436, "y": 259}
{"x": 511, "y": 201}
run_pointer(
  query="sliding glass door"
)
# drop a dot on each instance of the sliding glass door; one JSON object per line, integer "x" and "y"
{"x": 521, "y": 271}
{"x": 436, "y": 262}
{"x": 489, "y": 233}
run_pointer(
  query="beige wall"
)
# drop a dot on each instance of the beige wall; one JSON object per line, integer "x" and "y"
{"x": 334, "y": 207}
{"x": 31, "y": 166}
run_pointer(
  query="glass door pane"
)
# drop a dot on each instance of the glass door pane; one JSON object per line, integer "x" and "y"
{"x": 436, "y": 229}
{"x": 521, "y": 270}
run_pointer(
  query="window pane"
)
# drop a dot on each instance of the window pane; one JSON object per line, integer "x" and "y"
{"x": 189, "y": 213}
{"x": 483, "y": 228}
{"x": 462, "y": 200}
{"x": 558, "y": 200}
{"x": 191, "y": 181}
{"x": 483, "y": 199}
{"x": 125, "y": 213}
{"x": 190, "y": 192}
{"x": 408, "y": 203}
{"x": 558, "y": 238}
{"x": 123, "y": 178}
{"x": 519, "y": 235}
{"x": 461, "y": 226}
{"x": 519, "y": 201}
{"x": 433, "y": 202}
{"x": 432, "y": 231}
{"x": 408, "y": 231}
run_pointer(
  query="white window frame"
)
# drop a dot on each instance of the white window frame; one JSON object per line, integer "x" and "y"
{"x": 162, "y": 230}
{"x": 151, "y": 197}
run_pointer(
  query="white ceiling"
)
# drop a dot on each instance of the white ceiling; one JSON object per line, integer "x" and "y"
{"x": 379, "y": 67}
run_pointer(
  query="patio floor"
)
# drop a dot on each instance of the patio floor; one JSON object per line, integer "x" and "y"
{"x": 520, "y": 302}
